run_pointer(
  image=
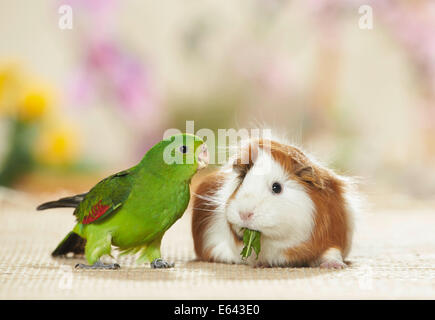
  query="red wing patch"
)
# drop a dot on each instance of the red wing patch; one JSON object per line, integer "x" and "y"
{"x": 97, "y": 211}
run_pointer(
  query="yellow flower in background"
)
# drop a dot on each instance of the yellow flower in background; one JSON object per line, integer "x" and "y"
{"x": 11, "y": 76}
{"x": 29, "y": 103}
{"x": 57, "y": 145}
{"x": 22, "y": 95}
{"x": 35, "y": 102}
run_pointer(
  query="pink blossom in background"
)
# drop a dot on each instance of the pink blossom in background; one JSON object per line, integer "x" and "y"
{"x": 334, "y": 8}
{"x": 124, "y": 74}
{"x": 271, "y": 72}
{"x": 107, "y": 69}
{"x": 413, "y": 26}
{"x": 98, "y": 16}
{"x": 106, "y": 62}
{"x": 411, "y": 23}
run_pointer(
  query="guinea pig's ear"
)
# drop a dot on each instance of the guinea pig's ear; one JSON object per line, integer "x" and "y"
{"x": 245, "y": 159}
{"x": 310, "y": 175}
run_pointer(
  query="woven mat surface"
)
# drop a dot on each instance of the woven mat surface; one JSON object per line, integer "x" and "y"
{"x": 393, "y": 258}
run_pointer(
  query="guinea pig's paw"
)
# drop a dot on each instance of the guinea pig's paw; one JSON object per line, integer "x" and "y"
{"x": 332, "y": 264}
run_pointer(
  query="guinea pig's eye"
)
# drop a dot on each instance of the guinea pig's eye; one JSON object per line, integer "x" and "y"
{"x": 183, "y": 149}
{"x": 276, "y": 187}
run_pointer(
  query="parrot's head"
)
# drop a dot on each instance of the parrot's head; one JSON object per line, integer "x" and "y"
{"x": 180, "y": 155}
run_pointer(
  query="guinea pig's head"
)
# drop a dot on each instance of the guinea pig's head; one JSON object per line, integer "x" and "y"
{"x": 273, "y": 184}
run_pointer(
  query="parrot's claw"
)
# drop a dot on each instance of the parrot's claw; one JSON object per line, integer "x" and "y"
{"x": 161, "y": 264}
{"x": 98, "y": 265}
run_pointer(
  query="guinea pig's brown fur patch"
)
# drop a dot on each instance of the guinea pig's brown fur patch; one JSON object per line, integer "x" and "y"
{"x": 203, "y": 211}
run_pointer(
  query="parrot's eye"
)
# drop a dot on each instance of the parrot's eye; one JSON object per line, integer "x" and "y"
{"x": 183, "y": 149}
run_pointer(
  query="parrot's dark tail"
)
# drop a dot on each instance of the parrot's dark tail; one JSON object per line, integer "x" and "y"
{"x": 71, "y": 243}
{"x": 68, "y": 202}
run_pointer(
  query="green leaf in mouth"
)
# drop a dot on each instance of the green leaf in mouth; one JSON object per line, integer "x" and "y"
{"x": 251, "y": 240}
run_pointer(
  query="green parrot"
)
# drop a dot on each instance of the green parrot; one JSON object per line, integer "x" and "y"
{"x": 132, "y": 209}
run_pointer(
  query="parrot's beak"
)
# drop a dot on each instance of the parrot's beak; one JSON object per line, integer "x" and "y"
{"x": 203, "y": 157}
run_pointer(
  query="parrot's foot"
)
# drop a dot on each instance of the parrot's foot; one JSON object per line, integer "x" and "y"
{"x": 161, "y": 264}
{"x": 98, "y": 265}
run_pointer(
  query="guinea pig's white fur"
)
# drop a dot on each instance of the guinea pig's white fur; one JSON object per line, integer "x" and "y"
{"x": 292, "y": 225}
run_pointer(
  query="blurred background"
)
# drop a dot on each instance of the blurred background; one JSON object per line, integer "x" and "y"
{"x": 77, "y": 104}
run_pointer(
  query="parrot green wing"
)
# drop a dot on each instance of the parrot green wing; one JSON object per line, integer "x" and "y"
{"x": 105, "y": 198}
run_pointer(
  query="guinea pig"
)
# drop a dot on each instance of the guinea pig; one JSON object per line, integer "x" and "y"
{"x": 304, "y": 211}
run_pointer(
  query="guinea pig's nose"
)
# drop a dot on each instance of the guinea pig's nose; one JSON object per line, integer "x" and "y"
{"x": 246, "y": 215}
